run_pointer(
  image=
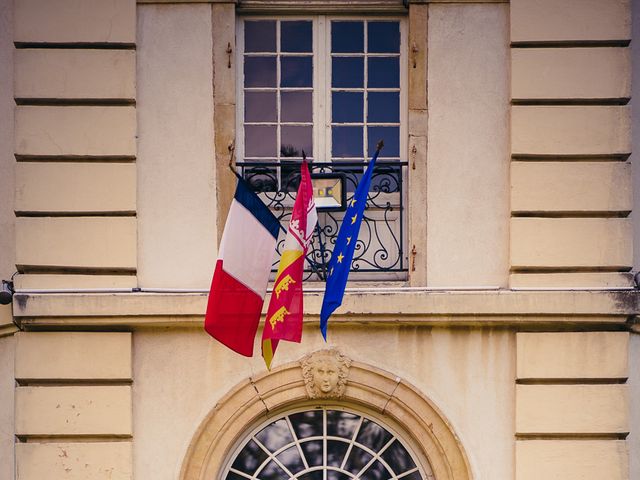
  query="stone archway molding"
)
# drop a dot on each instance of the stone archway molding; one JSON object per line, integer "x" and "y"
{"x": 258, "y": 397}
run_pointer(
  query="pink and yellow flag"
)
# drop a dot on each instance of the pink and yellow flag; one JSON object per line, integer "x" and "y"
{"x": 284, "y": 316}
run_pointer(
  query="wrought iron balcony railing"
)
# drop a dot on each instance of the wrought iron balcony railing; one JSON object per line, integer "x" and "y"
{"x": 380, "y": 250}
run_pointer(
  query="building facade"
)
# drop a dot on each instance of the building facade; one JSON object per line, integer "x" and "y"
{"x": 492, "y": 331}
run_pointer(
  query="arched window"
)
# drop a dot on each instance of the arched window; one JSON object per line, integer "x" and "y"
{"x": 324, "y": 443}
{"x": 371, "y": 426}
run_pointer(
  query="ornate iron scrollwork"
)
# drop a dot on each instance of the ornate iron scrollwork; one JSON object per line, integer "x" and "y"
{"x": 381, "y": 239}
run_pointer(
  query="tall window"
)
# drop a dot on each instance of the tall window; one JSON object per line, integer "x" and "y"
{"x": 324, "y": 444}
{"x": 330, "y": 87}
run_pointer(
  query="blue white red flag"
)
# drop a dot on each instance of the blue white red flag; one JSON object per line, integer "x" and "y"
{"x": 242, "y": 271}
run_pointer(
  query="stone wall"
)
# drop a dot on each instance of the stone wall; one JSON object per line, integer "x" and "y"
{"x": 73, "y": 416}
{"x": 570, "y": 142}
{"x": 514, "y": 319}
{"x": 75, "y": 143}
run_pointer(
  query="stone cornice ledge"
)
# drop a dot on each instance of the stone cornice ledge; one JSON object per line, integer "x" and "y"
{"x": 414, "y": 307}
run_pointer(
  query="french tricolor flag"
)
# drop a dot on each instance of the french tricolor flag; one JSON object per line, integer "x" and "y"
{"x": 242, "y": 271}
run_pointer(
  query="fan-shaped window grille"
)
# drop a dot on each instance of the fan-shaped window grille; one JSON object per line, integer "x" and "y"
{"x": 323, "y": 444}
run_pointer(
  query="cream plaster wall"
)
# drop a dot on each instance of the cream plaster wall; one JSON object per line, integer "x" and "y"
{"x": 179, "y": 375}
{"x": 468, "y": 145}
{"x": 7, "y": 162}
{"x": 635, "y": 129}
{"x": 634, "y": 345}
{"x": 176, "y": 184}
{"x": 7, "y": 351}
{"x": 633, "y": 440}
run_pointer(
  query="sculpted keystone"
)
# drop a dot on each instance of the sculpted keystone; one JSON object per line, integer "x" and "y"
{"x": 325, "y": 373}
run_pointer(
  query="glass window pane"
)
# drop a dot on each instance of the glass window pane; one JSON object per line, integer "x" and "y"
{"x": 295, "y": 36}
{"x": 272, "y": 471}
{"x": 358, "y": 458}
{"x": 260, "y": 36}
{"x": 383, "y": 107}
{"x": 413, "y": 476}
{"x": 372, "y": 435}
{"x": 260, "y": 107}
{"x": 260, "y": 71}
{"x": 296, "y": 72}
{"x": 376, "y": 471}
{"x": 391, "y": 137}
{"x": 315, "y": 475}
{"x": 249, "y": 458}
{"x": 383, "y": 37}
{"x": 290, "y": 458}
{"x": 398, "y": 458}
{"x": 347, "y": 72}
{"x": 383, "y": 72}
{"x": 260, "y": 141}
{"x": 296, "y": 139}
{"x": 346, "y": 107}
{"x": 346, "y": 142}
{"x": 312, "y": 452}
{"x": 341, "y": 424}
{"x": 235, "y": 476}
{"x": 333, "y": 475}
{"x": 296, "y": 107}
{"x": 347, "y": 37}
{"x": 336, "y": 451}
{"x": 275, "y": 436}
{"x": 307, "y": 424}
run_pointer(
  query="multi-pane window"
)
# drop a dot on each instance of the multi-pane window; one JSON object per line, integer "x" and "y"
{"x": 324, "y": 444}
{"x": 330, "y": 87}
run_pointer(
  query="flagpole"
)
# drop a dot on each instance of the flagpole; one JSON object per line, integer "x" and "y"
{"x": 232, "y": 156}
{"x": 379, "y": 147}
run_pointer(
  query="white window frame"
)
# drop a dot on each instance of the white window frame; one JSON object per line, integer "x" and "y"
{"x": 322, "y": 81}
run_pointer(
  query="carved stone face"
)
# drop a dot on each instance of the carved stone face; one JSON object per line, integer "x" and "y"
{"x": 325, "y": 374}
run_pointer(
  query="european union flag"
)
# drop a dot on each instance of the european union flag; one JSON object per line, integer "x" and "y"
{"x": 340, "y": 263}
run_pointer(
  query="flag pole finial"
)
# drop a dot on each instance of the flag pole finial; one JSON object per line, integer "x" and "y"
{"x": 232, "y": 150}
{"x": 232, "y": 156}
